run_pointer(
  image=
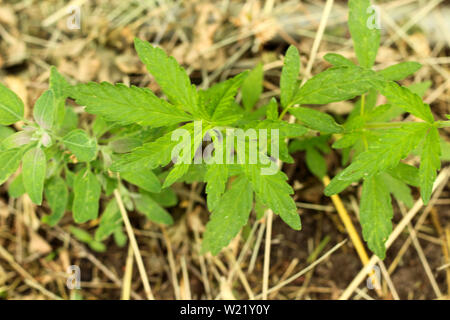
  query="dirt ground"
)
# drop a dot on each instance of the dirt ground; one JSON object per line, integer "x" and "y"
{"x": 214, "y": 40}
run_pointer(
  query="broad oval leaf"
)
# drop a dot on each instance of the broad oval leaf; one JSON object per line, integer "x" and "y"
{"x": 84, "y": 148}
{"x": 44, "y": 109}
{"x": 11, "y": 107}
{"x": 57, "y": 196}
{"x": 34, "y": 166}
{"x": 87, "y": 191}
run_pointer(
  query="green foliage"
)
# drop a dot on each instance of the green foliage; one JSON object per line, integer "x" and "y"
{"x": 366, "y": 39}
{"x": 130, "y": 146}
{"x": 11, "y": 107}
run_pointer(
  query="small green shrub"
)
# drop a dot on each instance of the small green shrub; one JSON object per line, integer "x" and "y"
{"x": 130, "y": 144}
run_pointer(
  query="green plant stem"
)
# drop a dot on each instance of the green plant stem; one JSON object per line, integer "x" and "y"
{"x": 443, "y": 124}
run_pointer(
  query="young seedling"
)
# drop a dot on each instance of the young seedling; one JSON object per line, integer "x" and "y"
{"x": 136, "y": 137}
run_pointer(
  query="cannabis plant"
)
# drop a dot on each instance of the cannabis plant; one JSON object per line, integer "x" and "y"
{"x": 140, "y": 144}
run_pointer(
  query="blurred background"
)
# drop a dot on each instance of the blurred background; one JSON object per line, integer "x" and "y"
{"x": 92, "y": 40}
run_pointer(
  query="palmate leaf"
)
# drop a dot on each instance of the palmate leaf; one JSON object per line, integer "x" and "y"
{"x": 365, "y": 34}
{"x": 127, "y": 105}
{"x": 400, "y": 71}
{"x": 170, "y": 76}
{"x": 376, "y": 214}
{"x": 229, "y": 216}
{"x": 60, "y": 88}
{"x": 289, "y": 75}
{"x": 252, "y": 87}
{"x": 144, "y": 178}
{"x": 150, "y": 155}
{"x": 392, "y": 146}
{"x": 216, "y": 178}
{"x": 398, "y": 189}
{"x": 316, "y": 120}
{"x": 275, "y": 193}
{"x": 217, "y": 103}
{"x": 406, "y": 99}
{"x": 336, "y": 84}
{"x": 429, "y": 163}
{"x": 338, "y": 60}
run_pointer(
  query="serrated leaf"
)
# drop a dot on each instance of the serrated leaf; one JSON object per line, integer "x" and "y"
{"x": 274, "y": 191}
{"x": 376, "y": 214}
{"x": 144, "y": 178}
{"x": 150, "y": 155}
{"x": 110, "y": 221}
{"x": 170, "y": 76}
{"x": 11, "y": 107}
{"x": 420, "y": 88}
{"x": 272, "y": 110}
{"x": 177, "y": 172}
{"x": 316, "y": 120}
{"x": 127, "y": 105}
{"x": 392, "y": 146}
{"x": 286, "y": 130}
{"x": 347, "y": 141}
{"x": 399, "y": 189}
{"x": 34, "y": 166}
{"x": 216, "y": 178}
{"x": 252, "y": 87}
{"x": 57, "y": 196}
{"x": 338, "y": 60}
{"x": 335, "y": 84}
{"x": 44, "y": 109}
{"x": 365, "y": 34}
{"x": 406, "y": 99}
{"x": 316, "y": 163}
{"x": 406, "y": 173}
{"x": 84, "y": 148}
{"x": 429, "y": 163}
{"x": 289, "y": 75}
{"x": 60, "y": 88}
{"x": 400, "y": 70}
{"x": 87, "y": 191}
{"x": 152, "y": 210}
{"x": 219, "y": 100}
{"x": 229, "y": 216}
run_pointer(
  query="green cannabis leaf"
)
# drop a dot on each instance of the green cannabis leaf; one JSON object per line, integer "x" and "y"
{"x": 366, "y": 38}
{"x": 376, "y": 214}
{"x": 229, "y": 216}
{"x": 170, "y": 76}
